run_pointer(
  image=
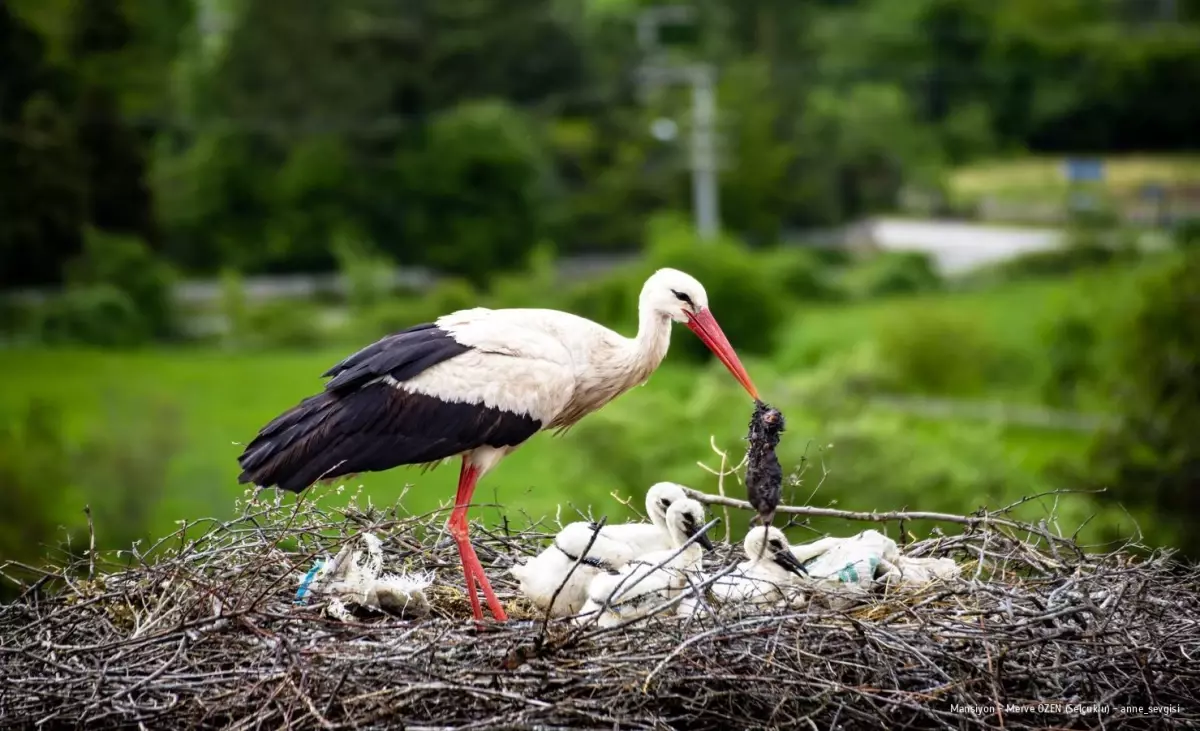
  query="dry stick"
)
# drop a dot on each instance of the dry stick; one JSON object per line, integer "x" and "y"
{"x": 1115, "y": 631}
{"x": 721, "y": 473}
{"x": 578, "y": 560}
{"x": 873, "y": 517}
{"x": 87, "y": 510}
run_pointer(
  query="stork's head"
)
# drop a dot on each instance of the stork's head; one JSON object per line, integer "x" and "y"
{"x": 685, "y": 518}
{"x": 659, "y": 499}
{"x": 678, "y": 296}
{"x": 770, "y": 544}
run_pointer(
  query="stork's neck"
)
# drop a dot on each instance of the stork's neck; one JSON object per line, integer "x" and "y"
{"x": 650, "y": 345}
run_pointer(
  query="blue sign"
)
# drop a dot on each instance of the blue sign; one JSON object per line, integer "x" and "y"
{"x": 1084, "y": 170}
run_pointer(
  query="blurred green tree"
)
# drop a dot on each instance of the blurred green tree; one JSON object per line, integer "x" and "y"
{"x": 41, "y": 190}
{"x": 114, "y": 152}
{"x": 476, "y": 192}
{"x": 1151, "y": 461}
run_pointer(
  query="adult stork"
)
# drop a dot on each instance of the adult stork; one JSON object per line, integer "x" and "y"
{"x": 476, "y": 383}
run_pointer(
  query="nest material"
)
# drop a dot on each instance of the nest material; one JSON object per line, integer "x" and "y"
{"x": 203, "y": 631}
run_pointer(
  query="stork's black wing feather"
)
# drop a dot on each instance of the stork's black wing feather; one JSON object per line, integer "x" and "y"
{"x": 402, "y": 356}
{"x": 362, "y": 424}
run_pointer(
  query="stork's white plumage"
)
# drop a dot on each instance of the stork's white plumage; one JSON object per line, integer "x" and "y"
{"x": 651, "y": 578}
{"x": 554, "y": 574}
{"x": 769, "y": 572}
{"x": 476, "y": 383}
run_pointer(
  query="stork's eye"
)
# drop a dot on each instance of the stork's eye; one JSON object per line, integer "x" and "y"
{"x": 682, "y": 297}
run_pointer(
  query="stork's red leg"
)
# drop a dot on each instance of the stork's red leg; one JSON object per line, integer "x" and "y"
{"x": 472, "y": 570}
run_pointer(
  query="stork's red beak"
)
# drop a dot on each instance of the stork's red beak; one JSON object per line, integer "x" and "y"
{"x": 706, "y": 328}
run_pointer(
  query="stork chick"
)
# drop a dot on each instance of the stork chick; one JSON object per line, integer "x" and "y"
{"x": 768, "y": 573}
{"x": 653, "y": 577}
{"x": 764, "y": 475}
{"x": 612, "y": 548}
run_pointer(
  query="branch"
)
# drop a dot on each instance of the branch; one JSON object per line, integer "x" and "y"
{"x": 886, "y": 517}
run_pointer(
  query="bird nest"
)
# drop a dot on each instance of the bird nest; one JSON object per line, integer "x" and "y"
{"x": 203, "y": 630}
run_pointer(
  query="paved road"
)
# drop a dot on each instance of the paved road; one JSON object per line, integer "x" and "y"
{"x": 959, "y": 247}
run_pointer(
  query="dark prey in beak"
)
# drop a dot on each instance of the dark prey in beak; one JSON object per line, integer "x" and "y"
{"x": 764, "y": 475}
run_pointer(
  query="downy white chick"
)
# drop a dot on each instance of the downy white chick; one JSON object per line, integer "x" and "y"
{"x": 643, "y": 583}
{"x": 615, "y": 545}
{"x": 769, "y": 574}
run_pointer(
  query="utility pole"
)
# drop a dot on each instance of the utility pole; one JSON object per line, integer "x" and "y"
{"x": 656, "y": 70}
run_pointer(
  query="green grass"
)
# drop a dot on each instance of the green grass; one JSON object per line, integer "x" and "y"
{"x": 1012, "y": 318}
{"x": 225, "y": 398}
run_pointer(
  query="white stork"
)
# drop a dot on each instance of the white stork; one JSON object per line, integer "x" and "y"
{"x": 476, "y": 383}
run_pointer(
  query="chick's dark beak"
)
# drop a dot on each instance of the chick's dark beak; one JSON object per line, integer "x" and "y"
{"x": 788, "y": 561}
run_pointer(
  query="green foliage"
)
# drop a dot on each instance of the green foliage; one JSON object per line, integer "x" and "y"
{"x": 33, "y": 469}
{"x": 802, "y": 274}
{"x": 1089, "y": 245}
{"x": 896, "y": 272}
{"x": 42, "y": 206}
{"x": 748, "y": 300}
{"x": 1187, "y": 233}
{"x": 368, "y": 276}
{"x": 120, "y": 468}
{"x": 97, "y": 314}
{"x": 610, "y": 300}
{"x": 478, "y": 191}
{"x": 118, "y": 294}
{"x": 124, "y": 472}
{"x": 1071, "y": 351}
{"x": 129, "y": 265}
{"x": 1152, "y": 460}
{"x": 288, "y": 325}
{"x": 234, "y": 307}
{"x": 398, "y": 313}
{"x": 945, "y": 354}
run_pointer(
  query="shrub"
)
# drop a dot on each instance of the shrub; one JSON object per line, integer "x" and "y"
{"x": 896, "y": 272}
{"x": 611, "y": 300}
{"x": 398, "y": 313}
{"x": 18, "y": 320}
{"x": 1070, "y": 346}
{"x": 1187, "y": 233}
{"x": 367, "y": 275}
{"x": 285, "y": 324}
{"x": 121, "y": 473}
{"x": 747, "y": 298}
{"x": 802, "y": 275}
{"x": 100, "y": 314}
{"x": 124, "y": 473}
{"x": 34, "y": 471}
{"x": 128, "y": 265}
{"x": 945, "y": 354}
{"x": 1152, "y": 459}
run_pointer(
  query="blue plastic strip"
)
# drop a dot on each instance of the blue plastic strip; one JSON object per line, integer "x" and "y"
{"x": 302, "y": 592}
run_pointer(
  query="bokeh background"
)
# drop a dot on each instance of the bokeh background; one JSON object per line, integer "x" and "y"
{"x": 955, "y": 241}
